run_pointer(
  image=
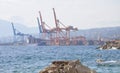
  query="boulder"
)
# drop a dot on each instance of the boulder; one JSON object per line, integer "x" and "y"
{"x": 67, "y": 67}
{"x": 111, "y": 45}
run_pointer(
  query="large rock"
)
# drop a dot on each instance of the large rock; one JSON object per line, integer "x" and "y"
{"x": 67, "y": 67}
{"x": 111, "y": 45}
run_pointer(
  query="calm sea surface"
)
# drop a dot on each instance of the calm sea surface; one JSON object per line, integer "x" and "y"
{"x": 31, "y": 59}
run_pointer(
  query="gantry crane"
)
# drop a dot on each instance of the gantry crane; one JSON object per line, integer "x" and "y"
{"x": 59, "y": 31}
{"x": 19, "y": 36}
{"x": 46, "y": 33}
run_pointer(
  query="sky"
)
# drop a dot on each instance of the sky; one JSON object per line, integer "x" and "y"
{"x": 83, "y": 14}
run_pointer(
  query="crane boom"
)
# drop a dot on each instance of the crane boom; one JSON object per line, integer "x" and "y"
{"x": 55, "y": 18}
{"x": 40, "y": 17}
{"x": 42, "y": 23}
{"x": 14, "y": 30}
{"x": 40, "y": 28}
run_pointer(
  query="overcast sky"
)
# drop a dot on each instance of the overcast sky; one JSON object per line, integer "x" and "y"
{"x": 83, "y": 14}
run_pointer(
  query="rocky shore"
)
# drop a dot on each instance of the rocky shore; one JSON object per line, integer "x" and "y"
{"x": 67, "y": 67}
{"x": 111, "y": 45}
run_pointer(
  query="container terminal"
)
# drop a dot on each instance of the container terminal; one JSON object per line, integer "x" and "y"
{"x": 59, "y": 35}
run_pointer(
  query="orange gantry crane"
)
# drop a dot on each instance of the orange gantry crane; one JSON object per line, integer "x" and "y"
{"x": 64, "y": 31}
{"x": 45, "y": 31}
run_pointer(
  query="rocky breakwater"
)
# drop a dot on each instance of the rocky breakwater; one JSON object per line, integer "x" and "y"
{"x": 67, "y": 67}
{"x": 111, "y": 45}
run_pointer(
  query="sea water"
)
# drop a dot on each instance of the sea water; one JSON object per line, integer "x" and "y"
{"x": 32, "y": 59}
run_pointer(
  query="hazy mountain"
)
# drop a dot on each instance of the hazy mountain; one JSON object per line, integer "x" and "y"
{"x": 108, "y": 32}
{"x": 6, "y": 28}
